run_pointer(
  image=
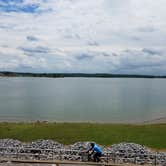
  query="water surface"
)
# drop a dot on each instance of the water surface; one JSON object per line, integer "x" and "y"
{"x": 82, "y": 99}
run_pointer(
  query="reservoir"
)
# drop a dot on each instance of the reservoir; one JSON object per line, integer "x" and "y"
{"x": 112, "y": 100}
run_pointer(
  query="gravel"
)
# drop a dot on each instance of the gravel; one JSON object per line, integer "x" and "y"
{"x": 79, "y": 146}
{"x": 45, "y": 144}
{"x": 10, "y": 143}
{"x": 48, "y": 149}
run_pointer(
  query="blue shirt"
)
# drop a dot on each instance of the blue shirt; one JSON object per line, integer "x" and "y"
{"x": 97, "y": 149}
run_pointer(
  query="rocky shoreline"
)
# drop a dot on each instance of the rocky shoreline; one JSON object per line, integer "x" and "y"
{"x": 52, "y": 150}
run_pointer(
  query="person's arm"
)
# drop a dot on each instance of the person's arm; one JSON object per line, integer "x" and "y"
{"x": 90, "y": 149}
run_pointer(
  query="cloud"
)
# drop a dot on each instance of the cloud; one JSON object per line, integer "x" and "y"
{"x": 6, "y": 27}
{"x": 13, "y": 60}
{"x": 152, "y": 51}
{"x": 147, "y": 29}
{"x": 32, "y": 38}
{"x": 135, "y": 38}
{"x": 34, "y": 50}
{"x": 84, "y": 57}
{"x": 93, "y": 43}
{"x": 79, "y": 36}
{"x": 145, "y": 61}
{"x": 117, "y": 6}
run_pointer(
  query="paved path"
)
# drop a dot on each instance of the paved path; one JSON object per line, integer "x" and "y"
{"x": 13, "y": 164}
{"x": 21, "y": 164}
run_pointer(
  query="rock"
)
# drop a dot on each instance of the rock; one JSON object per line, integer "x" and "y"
{"x": 135, "y": 153}
{"x": 46, "y": 144}
{"x": 80, "y": 146}
{"x": 10, "y": 143}
{"x": 48, "y": 149}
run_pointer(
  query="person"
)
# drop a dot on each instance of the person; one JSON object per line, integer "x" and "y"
{"x": 96, "y": 151}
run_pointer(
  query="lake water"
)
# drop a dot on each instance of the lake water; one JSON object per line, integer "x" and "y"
{"x": 82, "y": 99}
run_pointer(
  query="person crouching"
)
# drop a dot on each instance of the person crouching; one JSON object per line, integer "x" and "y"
{"x": 96, "y": 152}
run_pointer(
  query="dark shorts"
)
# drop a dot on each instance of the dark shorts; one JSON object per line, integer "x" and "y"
{"x": 97, "y": 156}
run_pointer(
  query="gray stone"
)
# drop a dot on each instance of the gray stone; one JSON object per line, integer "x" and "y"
{"x": 48, "y": 149}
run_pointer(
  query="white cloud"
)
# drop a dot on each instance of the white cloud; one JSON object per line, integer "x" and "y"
{"x": 71, "y": 28}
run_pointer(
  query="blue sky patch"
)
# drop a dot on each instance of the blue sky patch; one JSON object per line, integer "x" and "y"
{"x": 11, "y": 1}
{"x": 17, "y": 6}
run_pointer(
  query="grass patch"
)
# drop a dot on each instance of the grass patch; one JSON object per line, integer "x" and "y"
{"x": 153, "y": 136}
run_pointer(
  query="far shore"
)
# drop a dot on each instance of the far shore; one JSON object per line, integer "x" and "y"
{"x": 161, "y": 120}
{"x": 62, "y": 75}
{"x": 155, "y": 121}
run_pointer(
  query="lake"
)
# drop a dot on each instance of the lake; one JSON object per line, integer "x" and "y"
{"x": 82, "y": 99}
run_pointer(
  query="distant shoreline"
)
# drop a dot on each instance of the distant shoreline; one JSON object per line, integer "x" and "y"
{"x": 161, "y": 120}
{"x": 62, "y": 75}
{"x": 156, "y": 121}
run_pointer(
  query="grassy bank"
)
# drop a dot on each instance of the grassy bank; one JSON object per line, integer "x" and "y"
{"x": 106, "y": 134}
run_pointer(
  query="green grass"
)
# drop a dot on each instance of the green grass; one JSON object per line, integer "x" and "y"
{"x": 153, "y": 136}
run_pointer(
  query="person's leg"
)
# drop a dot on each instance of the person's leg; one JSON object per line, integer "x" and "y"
{"x": 97, "y": 157}
{"x": 94, "y": 156}
{"x": 90, "y": 156}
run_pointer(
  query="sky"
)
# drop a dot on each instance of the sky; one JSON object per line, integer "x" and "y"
{"x": 83, "y": 36}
